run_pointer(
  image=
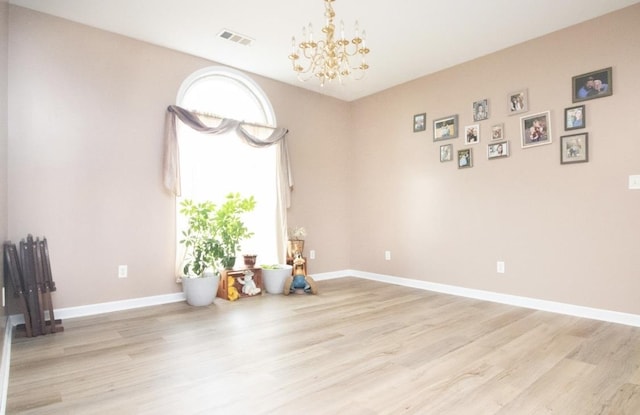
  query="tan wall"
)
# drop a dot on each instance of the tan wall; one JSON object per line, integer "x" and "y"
{"x": 86, "y": 110}
{"x": 567, "y": 233}
{"x": 87, "y": 118}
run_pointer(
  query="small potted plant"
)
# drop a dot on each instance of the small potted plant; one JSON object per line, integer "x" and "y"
{"x": 274, "y": 276}
{"x": 249, "y": 260}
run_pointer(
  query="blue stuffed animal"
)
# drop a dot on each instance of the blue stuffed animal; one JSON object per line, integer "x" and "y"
{"x": 299, "y": 281}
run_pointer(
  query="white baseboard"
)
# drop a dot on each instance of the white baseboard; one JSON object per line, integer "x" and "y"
{"x": 100, "y": 308}
{"x": 526, "y": 302}
{"x": 331, "y": 275}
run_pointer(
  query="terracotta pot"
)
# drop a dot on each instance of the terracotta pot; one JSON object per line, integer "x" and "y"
{"x": 250, "y": 260}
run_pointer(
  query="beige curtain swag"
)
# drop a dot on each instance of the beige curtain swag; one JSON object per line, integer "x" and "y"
{"x": 247, "y": 132}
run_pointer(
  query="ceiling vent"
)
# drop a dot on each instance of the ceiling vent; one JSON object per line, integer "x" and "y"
{"x": 235, "y": 37}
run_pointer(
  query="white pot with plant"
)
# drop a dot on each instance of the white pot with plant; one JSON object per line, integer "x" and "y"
{"x": 200, "y": 277}
{"x": 274, "y": 276}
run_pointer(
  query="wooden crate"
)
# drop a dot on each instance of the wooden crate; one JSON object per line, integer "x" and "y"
{"x": 223, "y": 288}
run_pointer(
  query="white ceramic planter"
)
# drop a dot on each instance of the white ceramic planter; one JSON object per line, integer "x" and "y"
{"x": 273, "y": 279}
{"x": 201, "y": 291}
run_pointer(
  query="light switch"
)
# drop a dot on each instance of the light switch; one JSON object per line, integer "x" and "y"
{"x": 634, "y": 181}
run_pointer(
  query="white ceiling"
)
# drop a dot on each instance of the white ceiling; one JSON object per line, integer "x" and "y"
{"x": 408, "y": 38}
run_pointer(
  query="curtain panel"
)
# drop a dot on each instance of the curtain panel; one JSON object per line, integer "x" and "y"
{"x": 250, "y": 134}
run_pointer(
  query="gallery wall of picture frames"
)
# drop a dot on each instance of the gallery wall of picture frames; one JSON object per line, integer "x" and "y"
{"x": 535, "y": 128}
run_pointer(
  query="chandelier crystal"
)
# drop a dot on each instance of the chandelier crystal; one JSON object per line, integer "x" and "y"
{"x": 329, "y": 58}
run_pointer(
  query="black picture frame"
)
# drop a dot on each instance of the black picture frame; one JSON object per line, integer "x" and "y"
{"x": 575, "y": 117}
{"x": 592, "y": 85}
{"x": 574, "y": 148}
{"x": 465, "y": 158}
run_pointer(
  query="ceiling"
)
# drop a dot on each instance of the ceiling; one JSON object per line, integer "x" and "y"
{"x": 408, "y": 38}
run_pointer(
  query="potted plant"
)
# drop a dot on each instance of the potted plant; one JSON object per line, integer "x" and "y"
{"x": 274, "y": 276}
{"x": 211, "y": 238}
{"x": 200, "y": 277}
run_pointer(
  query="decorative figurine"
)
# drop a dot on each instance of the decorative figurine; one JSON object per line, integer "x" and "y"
{"x": 299, "y": 281}
{"x": 233, "y": 294}
{"x": 248, "y": 284}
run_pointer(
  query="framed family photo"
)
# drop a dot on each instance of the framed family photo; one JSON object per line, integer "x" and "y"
{"x": 472, "y": 134}
{"x": 419, "y": 122}
{"x": 518, "y": 102}
{"x": 446, "y": 152}
{"x": 497, "y": 132}
{"x": 481, "y": 110}
{"x": 445, "y": 128}
{"x": 592, "y": 85}
{"x": 575, "y": 117}
{"x": 574, "y": 148}
{"x": 497, "y": 150}
{"x": 465, "y": 158}
{"x": 535, "y": 130}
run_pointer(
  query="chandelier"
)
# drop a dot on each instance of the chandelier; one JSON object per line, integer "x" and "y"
{"x": 329, "y": 58}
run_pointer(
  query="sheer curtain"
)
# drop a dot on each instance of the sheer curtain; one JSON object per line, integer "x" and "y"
{"x": 206, "y": 157}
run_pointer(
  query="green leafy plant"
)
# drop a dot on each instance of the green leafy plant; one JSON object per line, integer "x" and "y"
{"x": 199, "y": 238}
{"x": 214, "y": 233}
{"x": 230, "y": 226}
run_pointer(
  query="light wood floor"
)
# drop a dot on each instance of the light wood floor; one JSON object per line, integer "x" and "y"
{"x": 360, "y": 347}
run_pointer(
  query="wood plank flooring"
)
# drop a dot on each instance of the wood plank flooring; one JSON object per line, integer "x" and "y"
{"x": 359, "y": 347}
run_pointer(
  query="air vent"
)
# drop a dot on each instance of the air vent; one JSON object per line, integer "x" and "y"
{"x": 235, "y": 37}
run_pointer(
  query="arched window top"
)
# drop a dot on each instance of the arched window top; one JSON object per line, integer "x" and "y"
{"x": 227, "y": 93}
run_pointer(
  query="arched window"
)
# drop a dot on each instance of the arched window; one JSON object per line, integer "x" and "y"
{"x": 214, "y": 165}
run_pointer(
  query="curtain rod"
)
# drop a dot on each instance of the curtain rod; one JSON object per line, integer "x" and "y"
{"x": 253, "y": 124}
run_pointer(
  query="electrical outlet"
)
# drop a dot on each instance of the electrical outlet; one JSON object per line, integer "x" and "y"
{"x": 312, "y": 254}
{"x": 500, "y": 267}
{"x": 122, "y": 271}
{"x": 387, "y": 255}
